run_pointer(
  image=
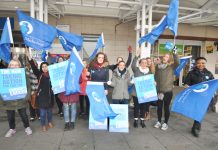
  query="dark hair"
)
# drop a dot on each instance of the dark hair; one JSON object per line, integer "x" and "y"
{"x": 59, "y": 58}
{"x": 122, "y": 62}
{"x": 95, "y": 59}
{"x": 119, "y": 57}
{"x": 142, "y": 60}
{"x": 199, "y": 58}
{"x": 43, "y": 64}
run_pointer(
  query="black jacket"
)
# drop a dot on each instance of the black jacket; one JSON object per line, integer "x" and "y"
{"x": 196, "y": 76}
{"x": 45, "y": 95}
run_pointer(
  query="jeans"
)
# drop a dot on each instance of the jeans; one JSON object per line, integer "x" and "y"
{"x": 166, "y": 102}
{"x": 45, "y": 112}
{"x": 23, "y": 115}
{"x": 69, "y": 112}
{"x": 120, "y": 101}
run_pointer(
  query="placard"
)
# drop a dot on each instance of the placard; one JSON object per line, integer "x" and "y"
{"x": 95, "y": 125}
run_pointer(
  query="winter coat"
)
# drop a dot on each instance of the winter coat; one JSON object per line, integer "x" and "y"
{"x": 165, "y": 77}
{"x": 196, "y": 76}
{"x": 45, "y": 95}
{"x": 72, "y": 98}
{"x": 19, "y": 103}
{"x": 137, "y": 73}
{"x": 120, "y": 84}
{"x": 83, "y": 81}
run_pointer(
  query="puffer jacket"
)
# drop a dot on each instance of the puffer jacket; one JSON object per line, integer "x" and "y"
{"x": 165, "y": 77}
{"x": 120, "y": 84}
{"x": 19, "y": 103}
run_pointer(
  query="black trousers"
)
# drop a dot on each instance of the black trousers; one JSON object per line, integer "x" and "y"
{"x": 139, "y": 109}
{"x": 166, "y": 103}
{"x": 196, "y": 125}
{"x": 33, "y": 112}
{"x": 59, "y": 104}
{"x": 23, "y": 115}
{"x": 83, "y": 98}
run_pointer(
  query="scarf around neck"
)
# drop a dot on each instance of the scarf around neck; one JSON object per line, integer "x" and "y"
{"x": 145, "y": 71}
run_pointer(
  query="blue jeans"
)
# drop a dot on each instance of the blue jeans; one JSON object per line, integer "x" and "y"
{"x": 69, "y": 112}
{"x": 43, "y": 113}
{"x": 120, "y": 101}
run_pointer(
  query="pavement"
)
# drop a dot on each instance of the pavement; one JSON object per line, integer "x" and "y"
{"x": 177, "y": 137}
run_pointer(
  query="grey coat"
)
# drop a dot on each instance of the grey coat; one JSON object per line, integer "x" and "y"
{"x": 165, "y": 77}
{"x": 120, "y": 85}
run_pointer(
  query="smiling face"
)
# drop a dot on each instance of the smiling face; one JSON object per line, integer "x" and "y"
{"x": 100, "y": 58}
{"x": 45, "y": 68}
{"x": 60, "y": 59}
{"x": 143, "y": 63}
{"x": 166, "y": 58}
{"x": 14, "y": 64}
{"x": 121, "y": 66}
{"x": 201, "y": 64}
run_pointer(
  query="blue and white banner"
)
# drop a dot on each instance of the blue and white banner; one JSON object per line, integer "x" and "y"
{"x": 183, "y": 62}
{"x": 36, "y": 34}
{"x": 6, "y": 40}
{"x": 13, "y": 84}
{"x": 99, "y": 44}
{"x": 145, "y": 88}
{"x": 193, "y": 102}
{"x": 57, "y": 73}
{"x": 121, "y": 122}
{"x": 74, "y": 70}
{"x": 173, "y": 16}
{"x": 96, "y": 125}
{"x": 70, "y": 40}
{"x": 98, "y": 101}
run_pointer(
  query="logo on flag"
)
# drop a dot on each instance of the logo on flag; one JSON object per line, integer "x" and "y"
{"x": 26, "y": 27}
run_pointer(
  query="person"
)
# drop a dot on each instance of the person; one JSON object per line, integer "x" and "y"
{"x": 142, "y": 70}
{"x": 85, "y": 76}
{"x": 99, "y": 70}
{"x": 113, "y": 67}
{"x": 45, "y": 95}
{"x": 17, "y": 105}
{"x": 2, "y": 64}
{"x": 120, "y": 81}
{"x": 164, "y": 77}
{"x": 34, "y": 112}
{"x": 151, "y": 66}
{"x": 58, "y": 101}
{"x": 70, "y": 109}
{"x": 197, "y": 75}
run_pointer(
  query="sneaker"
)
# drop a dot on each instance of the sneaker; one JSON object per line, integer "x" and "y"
{"x": 32, "y": 119}
{"x": 10, "y": 133}
{"x": 28, "y": 131}
{"x": 157, "y": 125}
{"x": 164, "y": 127}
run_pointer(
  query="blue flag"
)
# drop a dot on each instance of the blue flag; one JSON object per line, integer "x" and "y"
{"x": 183, "y": 62}
{"x": 6, "y": 40}
{"x": 43, "y": 56}
{"x": 36, "y": 34}
{"x": 100, "y": 44}
{"x": 194, "y": 101}
{"x": 74, "y": 70}
{"x": 69, "y": 40}
{"x": 155, "y": 33}
{"x": 98, "y": 102}
{"x": 172, "y": 16}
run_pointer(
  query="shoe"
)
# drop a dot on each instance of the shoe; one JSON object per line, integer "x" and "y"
{"x": 10, "y": 133}
{"x": 164, "y": 127}
{"x": 44, "y": 129}
{"x": 72, "y": 125}
{"x": 50, "y": 125}
{"x": 61, "y": 114}
{"x": 157, "y": 125}
{"x": 32, "y": 119}
{"x": 135, "y": 124}
{"x": 142, "y": 123}
{"x": 195, "y": 132}
{"x": 39, "y": 118}
{"x": 67, "y": 126}
{"x": 28, "y": 131}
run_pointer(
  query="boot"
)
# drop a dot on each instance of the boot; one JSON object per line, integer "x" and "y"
{"x": 143, "y": 123}
{"x": 66, "y": 126}
{"x": 135, "y": 124}
{"x": 72, "y": 125}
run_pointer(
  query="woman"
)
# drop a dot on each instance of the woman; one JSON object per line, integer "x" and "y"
{"x": 99, "y": 71}
{"x": 164, "y": 77}
{"x": 142, "y": 70}
{"x": 197, "y": 75}
{"x": 45, "y": 96}
{"x": 58, "y": 101}
{"x": 18, "y": 104}
{"x": 120, "y": 81}
{"x": 85, "y": 76}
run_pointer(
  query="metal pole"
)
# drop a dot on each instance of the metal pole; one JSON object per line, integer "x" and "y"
{"x": 41, "y": 10}
{"x": 143, "y": 25}
{"x": 137, "y": 29}
{"x": 46, "y": 11}
{"x": 149, "y": 30}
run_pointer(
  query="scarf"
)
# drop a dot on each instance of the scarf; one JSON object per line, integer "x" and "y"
{"x": 145, "y": 71}
{"x": 98, "y": 65}
{"x": 162, "y": 66}
{"x": 120, "y": 73}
